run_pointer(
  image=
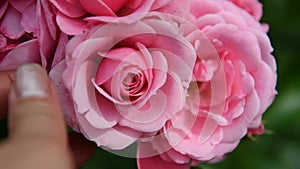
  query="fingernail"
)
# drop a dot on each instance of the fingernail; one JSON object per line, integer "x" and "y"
{"x": 32, "y": 82}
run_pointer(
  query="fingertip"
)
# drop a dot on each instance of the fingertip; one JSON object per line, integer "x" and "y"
{"x": 6, "y": 80}
{"x": 32, "y": 82}
{"x": 34, "y": 109}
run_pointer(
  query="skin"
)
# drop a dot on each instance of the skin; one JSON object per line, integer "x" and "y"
{"x": 37, "y": 132}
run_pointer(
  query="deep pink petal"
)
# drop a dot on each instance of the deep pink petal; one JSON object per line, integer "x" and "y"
{"x": 29, "y": 18}
{"x": 3, "y": 42}
{"x": 70, "y": 9}
{"x": 3, "y": 8}
{"x": 21, "y": 5}
{"x": 99, "y": 8}
{"x": 26, "y": 52}
{"x": 50, "y": 19}
{"x": 60, "y": 52}
{"x": 253, "y": 7}
{"x": 70, "y": 26}
{"x": 160, "y": 3}
{"x": 10, "y": 25}
{"x": 46, "y": 43}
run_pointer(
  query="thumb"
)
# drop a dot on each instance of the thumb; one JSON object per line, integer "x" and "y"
{"x": 34, "y": 110}
{"x": 35, "y": 120}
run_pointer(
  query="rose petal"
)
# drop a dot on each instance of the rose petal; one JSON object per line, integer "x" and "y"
{"x": 21, "y": 5}
{"x": 50, "y": 19}
{"x": 160, "y": 3}
{"x": 70, "y": 26}
{"x": 24, "y": 53}
{"x": 177, "y": 7}
{"x": 240, "y": 44}
{"x": 60, "y": 52}
{"x": 155, "y": 161}
{"x": 3, "y": 8}
{"x": 238, "y": 128}
{"x": 46, "y": 43}
{"x": 29, "y": 18}
{"x": 265, "y": 86}
{"x": 109, "y": 65}
{"x": 107, "y": 138}
{"x": 98, "y": 8}
{"x": 10, "y": 25}
{"x": 71, "y": 9}
{"x": 127, "y": 15}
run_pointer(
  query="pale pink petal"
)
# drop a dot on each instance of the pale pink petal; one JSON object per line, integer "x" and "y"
{"x": 200, "y": 8}
{"x": 220, "y": 149}
{"x": 161, "y": 145}
{"x": 238, "y": 128}
{"x": 190, "y": 142}
{"x": 178, "y": 8}
{"x": 208, "y": 20}
{"x": 117, "y": 138}
{"x": 240, "y": 45}
{"x": 10, "y": 25}
{"x": 265, "y": 86}
{"x": 266, "y": 50}
{"x": 107, "y": 138}
{"x": 149, "y": 120}
{"x": 155, "y": 161}
{"x": 85, "y": 99}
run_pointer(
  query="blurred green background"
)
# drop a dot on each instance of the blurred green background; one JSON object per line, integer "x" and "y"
{"x": 280, "y": 150}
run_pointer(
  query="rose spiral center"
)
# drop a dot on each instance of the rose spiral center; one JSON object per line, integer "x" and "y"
{"x": 134, "y": 85}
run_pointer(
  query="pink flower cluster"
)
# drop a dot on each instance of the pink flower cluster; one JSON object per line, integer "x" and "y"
{"x": 184, "y": 80}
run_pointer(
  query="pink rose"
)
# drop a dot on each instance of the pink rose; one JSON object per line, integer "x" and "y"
{"x": 121, "y": 82}
{"x": 76, "y": 16}
{"x": 28, "y": 33}
{"x": 234, "y": 83}
{"x": 253, "y": 7}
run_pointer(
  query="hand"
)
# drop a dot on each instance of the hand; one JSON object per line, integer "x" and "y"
{"x": 37, "y": 133}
